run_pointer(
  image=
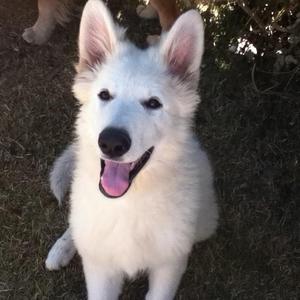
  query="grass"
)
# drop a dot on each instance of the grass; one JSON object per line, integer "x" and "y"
{"x": 250, "y": 130}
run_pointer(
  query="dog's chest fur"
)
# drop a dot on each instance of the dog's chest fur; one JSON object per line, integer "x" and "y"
{"x": 145, "y": 227}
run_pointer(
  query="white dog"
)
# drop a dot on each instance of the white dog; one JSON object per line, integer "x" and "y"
{"x": 142, "y": 188}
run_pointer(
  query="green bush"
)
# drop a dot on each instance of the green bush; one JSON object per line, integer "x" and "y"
{"x": 268, "y": 29}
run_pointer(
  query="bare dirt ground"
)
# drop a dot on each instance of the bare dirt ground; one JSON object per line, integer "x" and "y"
{"x": 251, "y": 132}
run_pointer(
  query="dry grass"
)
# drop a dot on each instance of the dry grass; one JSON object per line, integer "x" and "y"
{"x": 252, "y": 136}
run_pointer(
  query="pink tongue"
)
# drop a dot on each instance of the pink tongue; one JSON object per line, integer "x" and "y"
{"x": 115, "y": 178}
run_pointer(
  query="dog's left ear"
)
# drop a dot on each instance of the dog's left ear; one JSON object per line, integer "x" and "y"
{"x": 97, "y": 35}
{"x": 183, "y": 45}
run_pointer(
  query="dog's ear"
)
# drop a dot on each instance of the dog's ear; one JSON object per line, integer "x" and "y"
{"x": 182, "y": 47}
{"x": 97, "y": 35}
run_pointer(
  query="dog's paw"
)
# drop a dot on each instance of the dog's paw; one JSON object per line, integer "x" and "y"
{"x": 146, "y": 12}
{"x": 32, "y": 36}
{"x": 60, "y": 254}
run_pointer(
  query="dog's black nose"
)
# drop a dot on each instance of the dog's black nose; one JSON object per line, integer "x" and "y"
{"x": 114, "y": 142}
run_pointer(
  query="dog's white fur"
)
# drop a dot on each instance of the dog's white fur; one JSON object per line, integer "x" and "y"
{"x": 171, "y": 203}
{"x": 62, "y": 172}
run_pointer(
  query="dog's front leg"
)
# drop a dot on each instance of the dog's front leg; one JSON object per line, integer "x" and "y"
{"x": 61, "y": 252}
{"x": 101, "y": 284}
{"x": 164, "y": 280}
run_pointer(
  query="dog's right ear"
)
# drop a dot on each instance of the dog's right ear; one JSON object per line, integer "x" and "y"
{"x": 97, "y": 35}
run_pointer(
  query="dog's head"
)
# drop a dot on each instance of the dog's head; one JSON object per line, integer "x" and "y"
{"x": 134, "y": 101}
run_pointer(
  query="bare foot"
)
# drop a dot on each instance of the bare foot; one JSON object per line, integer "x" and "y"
{"x": 37, "y": 34}
{"x": 50, "y": 13}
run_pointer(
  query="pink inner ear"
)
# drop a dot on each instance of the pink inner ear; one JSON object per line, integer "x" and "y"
{"x": 181, "y": 52}
{"x": 97, "y": 36}
{"x": 96, "y": 42}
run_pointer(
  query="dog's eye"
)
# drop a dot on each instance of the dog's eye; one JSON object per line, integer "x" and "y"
{"x": 152, "y": 103}
{"x": 104, "y": 95}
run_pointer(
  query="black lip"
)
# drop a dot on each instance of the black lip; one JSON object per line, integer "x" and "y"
{"x": 133, "y": 173}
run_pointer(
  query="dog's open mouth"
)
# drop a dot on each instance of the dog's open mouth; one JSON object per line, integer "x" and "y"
{"x": 116, "y": 177}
